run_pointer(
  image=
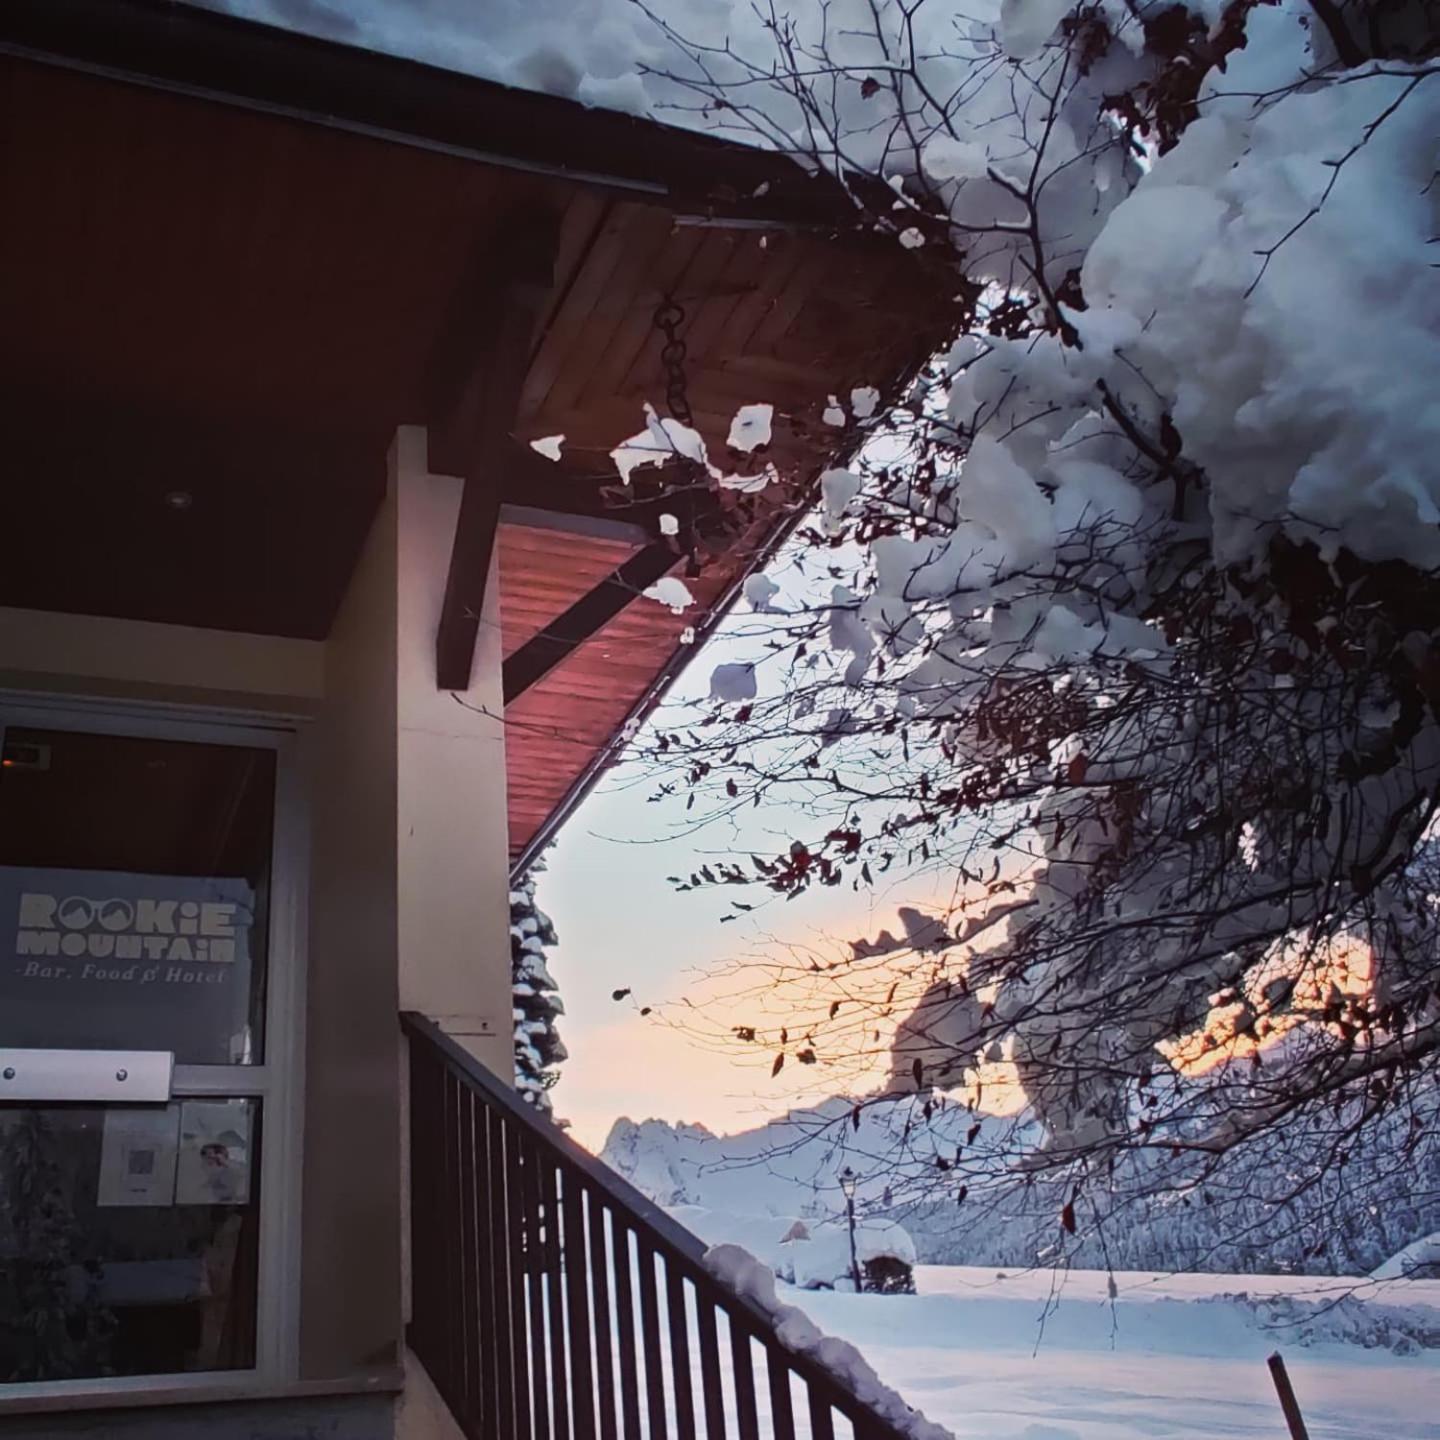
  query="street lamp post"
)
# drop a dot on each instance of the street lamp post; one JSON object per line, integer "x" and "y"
{"x": 847, "y": 1184}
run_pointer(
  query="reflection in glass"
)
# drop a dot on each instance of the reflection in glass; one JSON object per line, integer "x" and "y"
{"x": 134, "y": 894}
{"x": 129, "y": 1239}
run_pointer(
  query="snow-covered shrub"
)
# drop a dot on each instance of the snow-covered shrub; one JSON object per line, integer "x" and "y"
{"x": 538, "y": 1047}
{"x": 1346, "y": 1320}
{"x": 1419, "y": 1260}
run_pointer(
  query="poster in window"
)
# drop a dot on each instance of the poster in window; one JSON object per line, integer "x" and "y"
{"x": 138, "y": 1151}
{"x": 97, "y": 959}
{"x": 214, "y": 1161}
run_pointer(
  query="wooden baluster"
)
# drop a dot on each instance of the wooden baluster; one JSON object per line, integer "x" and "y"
{"x": 599, "y": 1253}
{"x": 577, "y": 1306}
{"x": 512, "y": 1204}
{"x": 710, "y": 1387}
{"x": 742, "y": 1366}
{"x": 535, "y": 1262}
{"x": 782, "y": 1412}
{"x": 555, "y": 1301}
{"x": 683, "y": 1389}
{"x": 625, "y": 1329}
{"x": 650, "y": 1327}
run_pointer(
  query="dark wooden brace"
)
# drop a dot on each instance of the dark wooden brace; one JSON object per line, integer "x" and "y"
{"x": 544, "y": 651}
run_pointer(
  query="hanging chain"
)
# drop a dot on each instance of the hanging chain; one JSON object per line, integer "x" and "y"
{"x": 669, "y": 317}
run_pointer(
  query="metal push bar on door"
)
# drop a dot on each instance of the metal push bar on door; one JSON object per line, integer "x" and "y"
{"x": 137, "y": 1077}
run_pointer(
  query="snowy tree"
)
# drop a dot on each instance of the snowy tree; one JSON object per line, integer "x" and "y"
{"x": 538, "y": 1047}
{"x": 1133, "y": 609}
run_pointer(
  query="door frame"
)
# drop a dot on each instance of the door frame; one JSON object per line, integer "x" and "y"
{"x": 279, "y": 1082}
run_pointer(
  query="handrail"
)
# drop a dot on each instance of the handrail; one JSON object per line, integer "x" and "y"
{"x": 520, "y": 1239}
{"x": 664, "y": 1227}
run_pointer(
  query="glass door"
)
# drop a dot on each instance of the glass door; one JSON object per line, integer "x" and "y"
{"x": 137, "y": 882}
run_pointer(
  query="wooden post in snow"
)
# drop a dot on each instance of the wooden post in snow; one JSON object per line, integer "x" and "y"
{"x": 1288, "y": 1403}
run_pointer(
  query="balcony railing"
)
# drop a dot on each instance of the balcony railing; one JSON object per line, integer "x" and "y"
{"x": 553, "y": 1301}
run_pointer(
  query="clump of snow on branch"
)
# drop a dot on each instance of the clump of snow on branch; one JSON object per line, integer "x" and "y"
{"x": 662, "y": 440}
{"x": 863, "y": 401}
{"x": 733, "y": 682}
{"x": 670, "y": 592}
{"x": 837, "y": 489}
{"x": 760, "y": 591}
{"x": 749, "y": 484}
{"x": 751, "y": 427}
{"x": 548, "y": 446}
{"x": 665, "y": 439}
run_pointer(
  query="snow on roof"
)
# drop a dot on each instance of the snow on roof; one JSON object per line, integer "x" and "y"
{"x": 586, "y": 50}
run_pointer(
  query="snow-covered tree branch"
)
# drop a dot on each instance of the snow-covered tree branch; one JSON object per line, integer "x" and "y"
{"x": 1133, "y": 610}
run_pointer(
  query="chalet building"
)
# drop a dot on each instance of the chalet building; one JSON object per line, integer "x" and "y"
{"x": 304, "y": 649}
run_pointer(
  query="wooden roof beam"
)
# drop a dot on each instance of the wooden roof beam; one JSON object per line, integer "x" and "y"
{"x": 566, "y": 633}
{"x": 478, "y": 374}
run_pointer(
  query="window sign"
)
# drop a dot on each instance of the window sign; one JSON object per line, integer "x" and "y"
{"x": 137, "y": 1157}
{"x": 103, "y": 959}
{"x": 134, "y": 890}
{"x": 214, "y": 1154}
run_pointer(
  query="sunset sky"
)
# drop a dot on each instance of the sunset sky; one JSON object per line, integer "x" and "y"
{"x": 622, "y": 925}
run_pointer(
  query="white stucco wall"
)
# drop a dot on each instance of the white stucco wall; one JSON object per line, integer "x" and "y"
{"x": 452, "y": 832}
{"x": 350, "y": 1242}
{"x": 452, "y": 826}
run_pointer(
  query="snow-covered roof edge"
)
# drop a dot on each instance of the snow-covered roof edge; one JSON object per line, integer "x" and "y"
{"x": 202, "y": 51}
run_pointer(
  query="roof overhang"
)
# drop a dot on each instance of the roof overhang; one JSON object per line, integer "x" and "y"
{"x": 202, "y": 53}
{"x": 236, "y": 259}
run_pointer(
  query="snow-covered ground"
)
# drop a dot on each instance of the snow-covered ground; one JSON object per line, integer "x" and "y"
{"x": 1041, "y": 1357}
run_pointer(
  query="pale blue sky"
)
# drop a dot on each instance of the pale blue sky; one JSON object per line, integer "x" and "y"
{"x": 623, "y": 925}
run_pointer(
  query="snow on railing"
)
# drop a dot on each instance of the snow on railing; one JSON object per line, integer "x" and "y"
{"x": 553, "y": 1301}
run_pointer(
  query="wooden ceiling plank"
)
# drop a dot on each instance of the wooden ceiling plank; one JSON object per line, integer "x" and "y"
{"x": 735, "y": 284}
{"x": 540, "y": 581}
{"x": 644, "y": 376}
{"x": 636, "y": 342}
{"x": 648, "y": 235}
{"x": 559, "y": 346}
{"x": 584, "y": 217}
{"x": 769, "y": 335}
{"x": 779, "y": 263}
